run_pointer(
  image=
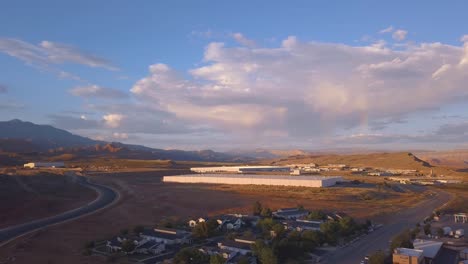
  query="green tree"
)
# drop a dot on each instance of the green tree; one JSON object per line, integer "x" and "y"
{"x": 200, "y": 230}
{"x": 124, "y": 231}
{"x": 265, "y": 224}
{"x": 279, "y": 229}
{"x": 205, "y": 229}
{"x": 427, "y": 229}
{"x": 217, "y": 259}
{"x": 330, "y": 230}
{"x": 316, "y": 215}
{"x": 89, "y": 244}
{"x": 138, "y": 229}
{"x": 190, "y": 256}
{"x": 212, "y": 225}
{"x": 312, "y": 239}
{"x": 347, "y": 226}
{"x": 257, "y": 208}
{"x": 128, "y": 246}
{"x": 266, "y": 212}
{"x": 402, "y": 240}
{"x": 377, "y": 258}
{"x": 267, "y": 256}
{"x": 243, "y": 260}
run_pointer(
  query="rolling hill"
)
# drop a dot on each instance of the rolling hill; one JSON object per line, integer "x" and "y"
{"x": 24, "y": 141}
{"x": 397, "y": 160}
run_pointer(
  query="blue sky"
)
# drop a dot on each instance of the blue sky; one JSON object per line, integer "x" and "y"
{"x": 226, "y": 75}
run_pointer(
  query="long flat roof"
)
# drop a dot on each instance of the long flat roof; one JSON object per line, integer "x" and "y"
{"x": 260, "y": 176}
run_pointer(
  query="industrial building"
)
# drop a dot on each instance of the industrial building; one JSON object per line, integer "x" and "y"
{"x": 281, "y": 180}
{"x": 33, "y": 165}
{"x": 241, "y": 169}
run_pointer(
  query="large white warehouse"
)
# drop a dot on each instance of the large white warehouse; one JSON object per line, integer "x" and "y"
{"x": 282, "y": 180}
{"x": 240, "y": 169}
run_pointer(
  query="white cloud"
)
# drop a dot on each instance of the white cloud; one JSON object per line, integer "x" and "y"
{"x": 387, "y": 30}
{"x": 47, "y": 54}
{"x": 399, "y": 34}
{"x": 241, "y": 39}
{"x": 95, "y": 91}
{"x": 120, "y": 136}
{"x": 60, "y": 53}
{"x": 113, "y": 120}
{"x": 305, "y": 89}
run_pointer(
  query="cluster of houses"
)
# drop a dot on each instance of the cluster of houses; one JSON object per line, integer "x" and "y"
{"x": 157, "y": 241}
{"x": 429, "y": 252}
{"x": 149, "y": 241}
{"x": 299, "y": 169}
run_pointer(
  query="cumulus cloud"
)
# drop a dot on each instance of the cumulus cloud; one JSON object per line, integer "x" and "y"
{"x": 95, "y": 91}
{"x": 120, "y": 136}
{"x": 241, "y": 39}
{"x": 387, "y": 30}
{"x": 399, "y": 35}
{"x": 46, "y": 54}
{"x": 307, "y": 88}
{"x": 113, "y": 120}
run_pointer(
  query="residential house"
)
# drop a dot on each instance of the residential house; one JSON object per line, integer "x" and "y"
{"x": 430, "y": 249}
{"x": 237, "y": 257}
{"x": 302, "y": 225}
{"x": 115, "y": 244}
{"x": 167, "y": 236}
{"x": 290, "y": 213}
{"x": 242, "y": 246}
{"x": 150, "y": 247}
{"x": 407, "y": 256}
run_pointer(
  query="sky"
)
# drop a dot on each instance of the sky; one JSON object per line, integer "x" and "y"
{"x": 228, "y": 75}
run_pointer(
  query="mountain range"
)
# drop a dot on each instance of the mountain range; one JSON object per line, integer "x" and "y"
{"x": 28, "y": 140}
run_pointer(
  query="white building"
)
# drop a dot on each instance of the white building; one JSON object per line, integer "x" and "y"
{"x": 240, "y": 169}
{"x": 256, "y": 179}
{"x": 33, "y": 165}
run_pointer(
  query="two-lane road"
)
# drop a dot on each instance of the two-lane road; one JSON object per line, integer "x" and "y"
{"x": 106, "y": 197}
{"x": 379, "y": 239}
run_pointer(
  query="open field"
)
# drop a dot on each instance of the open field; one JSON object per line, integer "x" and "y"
{"x": 459, "y": 203}
{"x": 31, "y": 195}
{"x": 146, "y": 200}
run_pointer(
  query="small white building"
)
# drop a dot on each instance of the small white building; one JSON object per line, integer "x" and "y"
{"x": 33, "y": 165}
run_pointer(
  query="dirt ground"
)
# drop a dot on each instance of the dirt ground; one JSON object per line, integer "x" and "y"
{"x": 146, "y": 200}
{"x": 25, "y": 197}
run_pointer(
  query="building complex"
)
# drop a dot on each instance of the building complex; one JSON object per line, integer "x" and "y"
{"x": 255, "y": 179}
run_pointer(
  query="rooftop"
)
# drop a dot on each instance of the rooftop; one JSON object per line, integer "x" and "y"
{"x": 165, "y": 235}
{"x": 259, "y": 176}
{"x": 235, "y": 244}
{"x": 430, "y": 248}
{"x": 409, "y": 252}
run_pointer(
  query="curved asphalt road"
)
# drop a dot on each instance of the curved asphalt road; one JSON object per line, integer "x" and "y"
{"x": 379, "y": 239}
{"x": 105, "y": 198}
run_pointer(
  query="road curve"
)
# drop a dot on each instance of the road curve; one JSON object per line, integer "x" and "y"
{"x": 106, "y": 197}
{"x": 379, "y": 239}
